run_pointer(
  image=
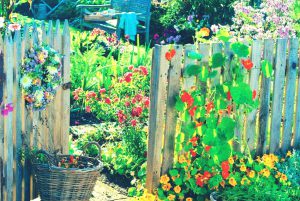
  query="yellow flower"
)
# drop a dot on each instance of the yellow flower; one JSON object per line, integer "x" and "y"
{"x": 251, "y": 174}
{"x": 181, "y": 159}
{"x": 189, "y": 199}
{"x": 232, "y": 181}
{"x": 171, "y": 197}
{"x": 231, "y": 160}
{"x": 243, "y": 168}
{"x": 283, "y": 177}
{"x": 166, "y": 187}
{"x": 204, "y": 32}
{"x": 266, "y": 172}
{"x": 177, "y": 189}
{"x": 164, "y": 179}
{"x": 245, "y": 181}
{"x": 278, "y": 175}
{"x": 288, "y": 154}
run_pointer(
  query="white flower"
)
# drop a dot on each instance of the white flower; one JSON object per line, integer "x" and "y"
{"x": 1, "y": 22}
{"x": 214, "y": 28}
{"x": 14, "y": 27}
{"x": 26, "y": 81}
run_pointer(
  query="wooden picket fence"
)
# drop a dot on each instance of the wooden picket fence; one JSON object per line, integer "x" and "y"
{"x": 273, "y": 127}
{"x": 48, "y": 129}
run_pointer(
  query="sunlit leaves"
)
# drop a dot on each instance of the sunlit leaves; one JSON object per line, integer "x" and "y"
{"x": 267, "y": 68}
{"x": 240, "y": 49}
{"x": 223, "y": 35}
{"x": 195, "y": 56}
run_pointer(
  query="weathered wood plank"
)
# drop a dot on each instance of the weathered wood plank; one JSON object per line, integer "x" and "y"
{"x": 205, "y": 50}
{"x": 227, "y": 68}
{"x": 18, "y": 114}
{"x": 57, "y": 102}
{"x": 216, "y": 48}
{"x": 278, "y": 94}
{"x": 159, "y": 72}
{"x": 290, "y": 94}
{"x": 188, "y": 82}
{"x": 1, "y": 117}
{"x": 254, "y": 84}
{"x": 64, "y": 134}
{"x": 264, "y": 109}
{"x": 171, "y": 114}
{"x": 8, "y": 120}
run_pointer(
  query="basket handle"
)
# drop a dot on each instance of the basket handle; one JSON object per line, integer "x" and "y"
{"x": 88, "y": 145}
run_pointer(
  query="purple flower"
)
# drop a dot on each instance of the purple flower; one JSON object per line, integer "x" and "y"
{"x": 177, "y": 39}
{"x": 156, "y": 36}
{"x": 170, "y": 39}
{"x": 190, "y": 18}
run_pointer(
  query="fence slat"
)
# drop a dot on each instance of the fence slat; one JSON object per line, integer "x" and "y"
{"x": 205, "y": 50}
{"x": 157, "y": 109}
{"x": 228, "y": 55}
{"x": 188, "y": 82}
{"x": 18, "y": 114}
{"x": 264, "y": 113}
{"x": 66, "y": 40}
{"x": 254, "y": 81}
{"x": 171, "y": 114}
{"x": 216, "y": 48}
{"x": 1, "y": 119}
{"x": 290, "y": 94}
{"x": 8, "y": 120}
{"x": 278, "y": 94}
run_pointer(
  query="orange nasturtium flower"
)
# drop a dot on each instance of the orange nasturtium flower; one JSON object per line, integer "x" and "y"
{"x": 204, "y": 32}
{"x": 177, "y": 189}
{"x": 232, "y": 181}
{"x": 164, "y": 179}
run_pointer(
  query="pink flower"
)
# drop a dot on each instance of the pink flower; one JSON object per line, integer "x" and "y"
{"x": 156, "y": 36}
{"x": 136, "y": 112}
{"x": 88, "y": 109}
{"x": 133, "y": 122}
{"x": 76, "y": 97}
{"x": 127, "y": 104}
{"x": 14, "y": 27}
{"x": 103, "y": 90}
{"x": 7, "y": 109}
{"x": 76, "y": 123}
{"x": 130, "y": 67}
{"x": 144, "y": 70}
{"x": 147, "y": 102}
{"x": 138, "y": 97}
{"x": 108, "y": 101}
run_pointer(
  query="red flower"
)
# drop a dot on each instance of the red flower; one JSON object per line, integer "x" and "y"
{"x": 144, "y": 70}
{"x": 71, "y": 159}
{"x": 229, "y": 108}
{"x": 253, "y": 94}
{"x": 192, "y": 111}
{"x": 206, "y": 175}
{"x": 187, "y": 98}
{"x": 88, "y": 109}
{"x": 147, "y": 102}
{"x": 229, "y": 97}
{"x": 130, "y": 67}
{"x": 138, "y": 97}
{"x": 103, "y": 90}
{"x": 169, "y": 55}
{"x": 121, "y": 116}
{"x": 127, "y": 104}
{"x": 136, "y": 112}
{"x": 225, "y": 174}
{"x": 107, "y": 101}
{"x": 200, "y": 182}
{"x": 76, "y": 97}
{"x": 193, "y": 153}
{"x": 128, "y": 77}
{"x": 207, "y": 148}
{"x": 247, "y": 63}
{"x": 133, "y": 122}
{"x": 225, "y": 166}
{"x": 133, "y": 101}
{"x": 209, "y": 106}
{"x": 198, "y": 124}
{"x": 194, "y": 141}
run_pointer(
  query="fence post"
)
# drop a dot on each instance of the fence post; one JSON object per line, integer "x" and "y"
{"x": 171, "y": 114}
{"x": 2, "y": 76}
{"x": 156, "y": 120}
{"x": 278, "y": 94}
{"x": 290, "y": 94}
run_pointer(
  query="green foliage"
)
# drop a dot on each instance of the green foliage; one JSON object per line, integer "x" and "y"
{"x": 267, "y": 68}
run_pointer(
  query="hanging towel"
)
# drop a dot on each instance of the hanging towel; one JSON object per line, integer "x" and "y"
{"x": 129, "y": 22}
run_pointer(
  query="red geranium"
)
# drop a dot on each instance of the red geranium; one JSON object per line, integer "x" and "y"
{"x": 207, "y": 148}
{"x": 128, "y": 77}
{"x": 225, "y": 166}
{"x": 225, "y": 174}
{"x": 193, "y": 153}
{"x": 103, "y": 90}
{"x": 247, "y": 63}
{"x": 136, "y": 112}
{"x": 187, "y": 98}
{"x": 133, "y": 122}
{"x": 200, "y": 182}
{"x": 107, "y": 101}
{"x": 192, "y": 111}
{"x": 144, "y": 70}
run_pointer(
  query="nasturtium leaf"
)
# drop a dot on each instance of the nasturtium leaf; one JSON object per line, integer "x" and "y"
{"x": 267, "y": 68}
{"x": 240, "y": 49}
{"x": 223, "y": 35}
{"x": 211, "y": 122}
{"x": 194, "y": 172}
{"x": 188, "y": 128}
{"x": 173, "y": 172}
{"x": 192, "y": 70}
{"x": 227, "y": 126}
{"x": 209, "y": 137}
{"x": 195, "y": 55}
{"x": 215, "y": 180}
{"x": 212, "y": 74}
{"x": 132, "y": 191}
{"x": 203, "y": 74}
{"x": 199, "y": 100}
{"x": 224, "y": 152}
{"x": 241, "y": 94}
{"x": 178, "y": 181}
{"x": 161, "y": 194}
{"x": 179, "y": 105}
{"x": 220, "y": 104}
{"x": 218, "y": 60}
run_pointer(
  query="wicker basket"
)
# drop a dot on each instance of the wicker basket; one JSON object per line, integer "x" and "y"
{"x": 73, "y": 184}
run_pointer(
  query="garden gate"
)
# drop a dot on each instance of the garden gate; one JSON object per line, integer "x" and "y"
{"x": 274, "y": 127}
{"x": 48, "y": 129}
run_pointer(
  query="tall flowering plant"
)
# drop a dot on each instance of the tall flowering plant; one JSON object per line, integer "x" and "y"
{"x": 40, "y": 76}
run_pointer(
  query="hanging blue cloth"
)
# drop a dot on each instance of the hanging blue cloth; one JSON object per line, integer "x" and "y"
{"x": 129, "y": 22}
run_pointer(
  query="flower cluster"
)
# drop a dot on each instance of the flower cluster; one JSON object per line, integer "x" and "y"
{"x": 6, "y": 109}
{"x": 40, "y": 76}
{"x": 169, "y": 36}
{"x": 271, "y": 20}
